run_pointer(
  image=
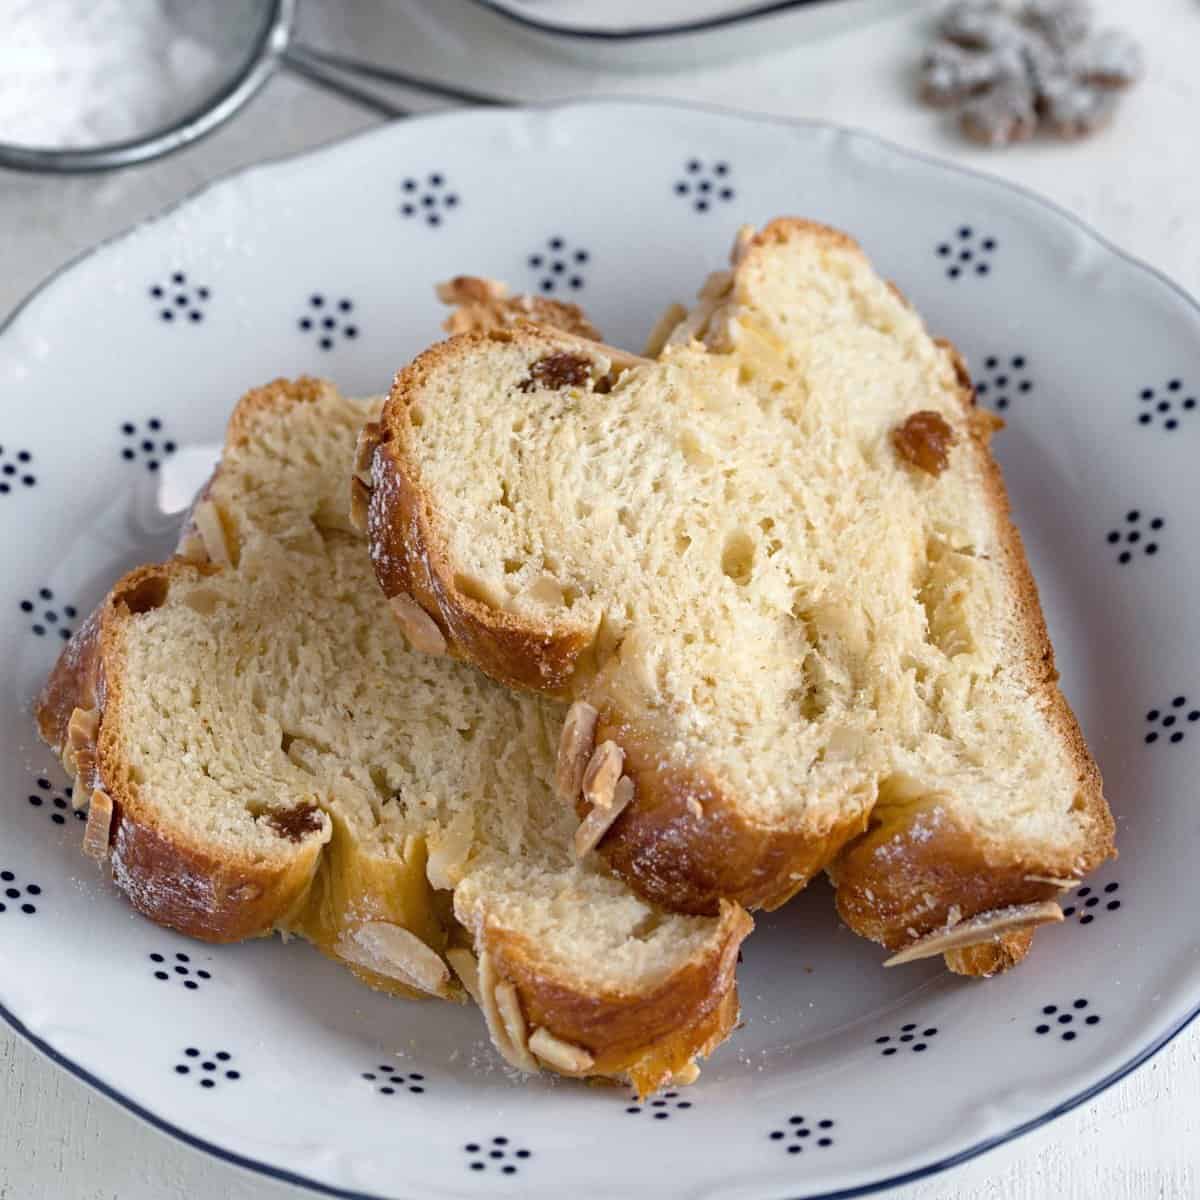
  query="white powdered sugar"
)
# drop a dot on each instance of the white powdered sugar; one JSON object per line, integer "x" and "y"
{"x": 76, "y": 73}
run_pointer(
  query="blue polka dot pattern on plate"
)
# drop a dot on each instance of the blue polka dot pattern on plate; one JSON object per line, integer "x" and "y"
{"x": 15, "y": 470}
{"x": 208, "y": 1071}
{"x": 967, "y": 252}
{"x": 179, "y": 301}
{"x": 179, "y": 968}
{"x": 799, "y": 1133}
{"x": 1004, "y": 378}
{"x": 388, "y": 1081}
{"x": 659, "y": 1107}
{"x": 1167, "y": 405}
{"x": 1138, "y": 532}
{"x": 498, "y": 1154}
{"x": 46, "y": 617}
{"x": 328, "y": 318}
{"x": 55, "y": 802}
{"x": 557, "y": 266}
{"x": 146, "y": 443}
{"x": 429, "y": 199}
{"x": 704, "y": 185}
{"x": 16, "y": 897}
{"x": 911, "y": 1036}
{"x": 1068, "y": 1021}
{"x": 1093, "y": 900}
{"x": 1168, "y": 724}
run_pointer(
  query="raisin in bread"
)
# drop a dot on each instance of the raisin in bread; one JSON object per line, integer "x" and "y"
{"x": 263, "y": 751}
{"x": 778, "y": 564}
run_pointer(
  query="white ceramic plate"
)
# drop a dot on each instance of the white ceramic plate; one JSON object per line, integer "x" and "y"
{"x": 640, "y": 34}
{"x": 845, "y": 1075}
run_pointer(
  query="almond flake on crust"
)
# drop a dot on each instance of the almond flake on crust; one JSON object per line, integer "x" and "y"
{"x": 983, "y": 927}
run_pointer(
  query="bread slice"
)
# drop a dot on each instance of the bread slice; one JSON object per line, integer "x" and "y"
{"x": 264, "y": 752}
{"x": 779, "y": 563}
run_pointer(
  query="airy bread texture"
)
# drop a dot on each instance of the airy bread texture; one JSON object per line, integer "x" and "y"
{"x": 778, "y": 561}
{"x": 273, "y": 755}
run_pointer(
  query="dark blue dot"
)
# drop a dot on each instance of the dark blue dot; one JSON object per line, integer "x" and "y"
{"x": 40, "y": 630}
{"x": 524, "y": 1153}
{"x": 351, "y": 331}
{"x": 1123, "y": 557}
{"x": 161, "y": 975}
{"x": 943, "y": 250}
{"x": 316, "y": 300}
{"x": 326, "y": 343}
{"x": 1086, "y": 919}
{"x": 965, "y": 232}
{"x": 329, "y": 323}
{"x": 182, "y": 1069}
{"x": 196, "y": 315}
{"x": 775, "y": 1134}
{"x": 1050, "y": 1009}
{"x": 704, "y": 186}
{"x": 233, "y": 1074}
{"x": 451, "y": 200}
{"x": 410, "y": 185}
{"x": 178, "y": 277}
{"x": 508, "y": 1169}
{"x": 207, "y": 1083}
{"x": 36, "y": 801}
{"x": 435, "y": 180}
{"x": 701, "y": 206}
{"x": 965, "y": 256}
{"x": 982, "y": 269}
{"x": 407, "y": 210}
{"x": 181, "y": 301}
{"x": 1069, "y": 1036}
{"x": 499, "y": 1141}
{"x": 989, "y": 244}
{"x": 27, "y": 606}
{"x": 535, "y": 260}
{"x": 472, "y": 1147}
{"x": 1080, "y": 1003}
{"x": 477, "y": 1166}
{"x": 203, "y": 293}
{"x": 890, "y": 1050}
{"x": 69, "y": 609}
{"x": 167, "y": 315}
{"x": 428, "y": 201}
{"x": 721, "y": 168}
{"x": 555, "y": 243}
{"x": 190, "y": 984}
{"x": 388, "y": 1091}
{"x": 192, "y": 1052}
{"x": 1147, "y": 393}
{"x": 693, "y": 165}
{"x": 1176, "y": 738}
{"x": 575, "y": 282}
{"x": 1093, "y": 1020}
{"x": 1112, "y": 887}
{"x": 1174, "y": 385}
{"x": 1152, "y": 548}
{"x": 954, "y": 272}
{"x": 1151, "y": 738}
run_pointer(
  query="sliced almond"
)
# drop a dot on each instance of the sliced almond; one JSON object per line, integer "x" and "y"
{"x": 983, "y": 927}
{"x": 695, "y": 808}
{"x": 419, "y": 627}
{"x": 470, "y": 289}
{"x": 508, "y": 1004}
{"x": 686, "y": 1076}
{"x": 599, "y": 821}
{"x": 562, "y": 1056}
{"x": 360, "y": 500}
{"x": 466, "y": 967}
{"x": 369, "y": 437}
{"x": 79, "y": 749}
{"x": 449, "y": 851}
{"x": 575, "y": 746}
{"x": 663, "y": 328}
{"x": 207, "y": 520}
{"x": 620, "y": 360}
{"x": 191, "y": 546}
{"x": 741, "y": 244}
{"x": 601, "y": 774}
{"x": 396, "y": 953}
{"x": 515, "y": 1052}
{"x": 99, "y": 826}
{"x": 1066, "y": 884}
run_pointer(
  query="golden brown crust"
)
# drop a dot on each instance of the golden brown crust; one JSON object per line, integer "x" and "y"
{"x": 715, "y": 852}
{"x": 317, "y": 880}
{"x": 411, "y": 559}
{"x": 893, "y": 885}
{"x": 649, "y": 1036}
{"x": 916, "y": 867}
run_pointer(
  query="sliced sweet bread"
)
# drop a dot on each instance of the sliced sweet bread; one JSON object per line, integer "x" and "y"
{"x": 778, "y": 564}
{"x": 263, "y": 751}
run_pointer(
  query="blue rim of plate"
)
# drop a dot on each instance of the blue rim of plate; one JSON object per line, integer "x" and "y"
{"x": 1032, "y": 197}
{"x": 644, "y": 33}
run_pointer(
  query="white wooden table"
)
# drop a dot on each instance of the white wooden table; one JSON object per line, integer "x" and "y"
{"x": 1138, "y": 184}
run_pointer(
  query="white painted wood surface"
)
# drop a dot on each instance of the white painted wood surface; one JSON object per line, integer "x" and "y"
{"x": 1138, "y": 184}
